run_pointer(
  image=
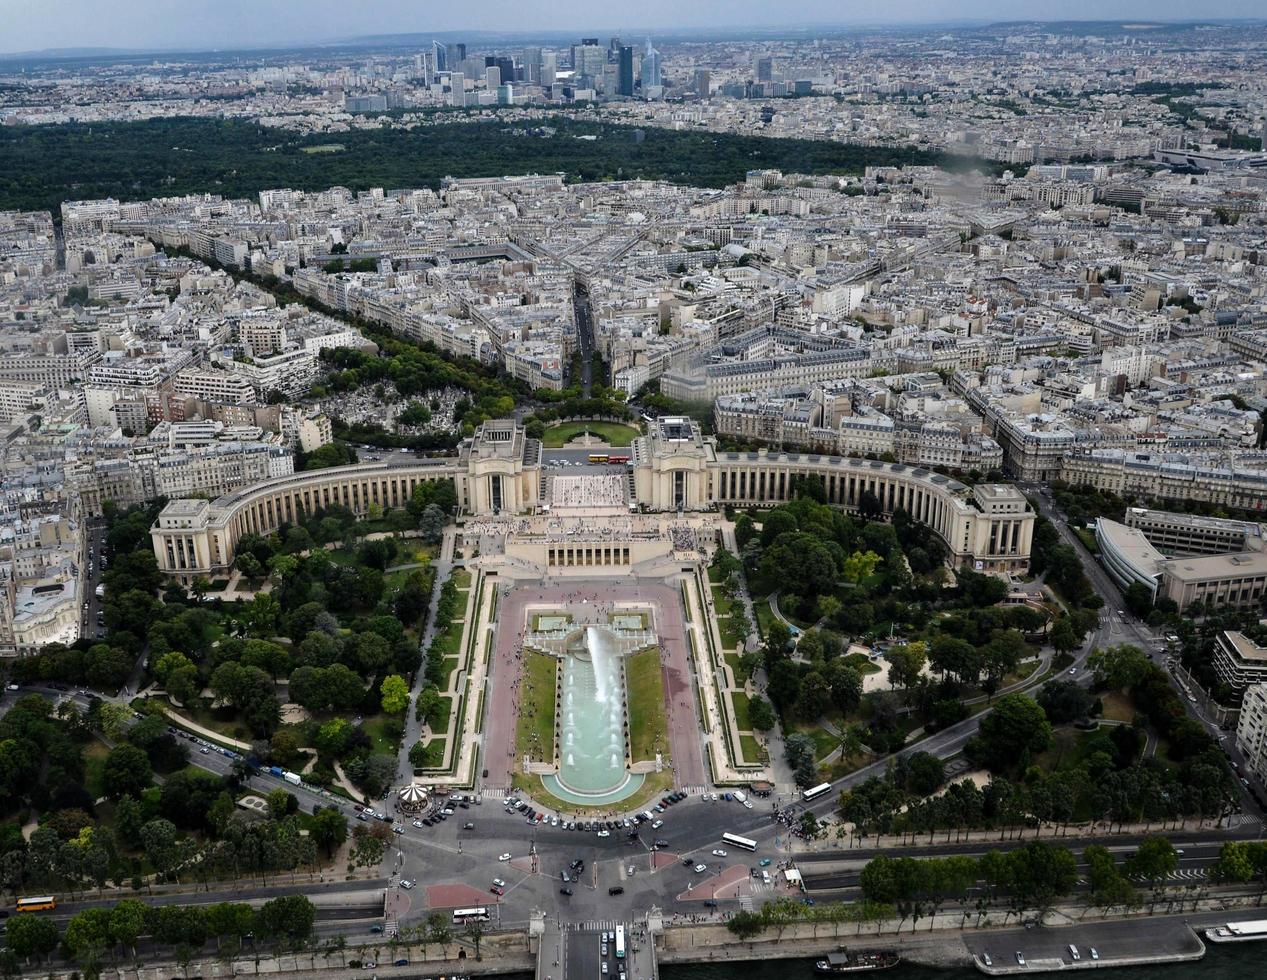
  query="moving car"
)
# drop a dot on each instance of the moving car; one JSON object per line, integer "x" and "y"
{"x": 985, "y": 958}
{"x": 499, "y": 883}
{"x": 718, "y": 852}
{"x": 701, "y": 868}
{"x": 1095, "y": 953}
{"x": 604, "y": 833}
{"x": 406, "y": 884}
{"x": 565, "y": 891}
{"x": 503, "y": 857}
{"x": 1020, "y": 957}
{"x": 616, "y": 890}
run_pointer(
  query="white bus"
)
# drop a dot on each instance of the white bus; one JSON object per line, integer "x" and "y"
{"x": 734, "y": 840}
{"x": 815, "y": 792}
{"x": 620, "y": 942}
{"x": 463, "y": 916}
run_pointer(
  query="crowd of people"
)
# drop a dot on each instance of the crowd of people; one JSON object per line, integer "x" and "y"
{"x": 589, "y": 491}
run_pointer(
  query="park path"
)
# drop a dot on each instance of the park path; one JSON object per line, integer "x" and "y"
{"x": 443, "y": 564}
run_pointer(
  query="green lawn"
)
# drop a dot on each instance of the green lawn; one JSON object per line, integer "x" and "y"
{"x": 862, "y": 663}
{"x": 433, "y": 754}
{"x": 751, "y": 749}
{"x": 723, "y": 605}
{"x": 824, "y": 741}
{"x": 451, "y": 639}
{"x": 613, "y": 433}
{"x": 740, "y": 702}
{"x": 94, "y": 768}
{"x": 384, "y": 731}
{"x": 461, "y": 578}
{"x": 730, "y": 635}
{"x": 534, "y": 728}
{"x": 647, "y": 721}
{"x": 441, "y": 722}
{"x": 736, "y": 667}
{"x": 765, "y": 615}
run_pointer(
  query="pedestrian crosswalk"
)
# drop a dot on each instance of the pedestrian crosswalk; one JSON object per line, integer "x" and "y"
{"x": 593, "y": 925}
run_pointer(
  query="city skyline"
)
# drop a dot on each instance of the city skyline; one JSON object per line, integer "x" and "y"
{"x": 148, "y": 25}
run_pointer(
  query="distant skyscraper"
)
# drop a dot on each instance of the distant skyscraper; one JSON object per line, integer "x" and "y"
{"x": 531, "y": 58}
{"x": 549, "y": 67}
{"x": 651, "y": 68}
{"x": 492, "y": 77}
{"x": 626, "y": 73}
{"x": 763, "y": 68}
{"x": 439, "y": 56}
{"x": 613, "y": 49}
{"x": 455, "y": 53}
{"x": 703, "y": 82}
{"x": 458, "y": 82}
{"x": 588, "y": 61}
{"x": 420, "y": 65}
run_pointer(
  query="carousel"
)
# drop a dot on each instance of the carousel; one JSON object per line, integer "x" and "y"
{"x": 412, "y": 798}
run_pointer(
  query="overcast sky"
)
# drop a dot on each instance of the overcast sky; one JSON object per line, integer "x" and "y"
{"x": 31, "y": 25}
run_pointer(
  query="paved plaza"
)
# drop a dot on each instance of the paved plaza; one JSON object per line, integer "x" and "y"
{"x": 590, "y": 601}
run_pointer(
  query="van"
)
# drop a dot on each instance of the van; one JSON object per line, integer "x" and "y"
{"x": 615, "y": 890}
{"x": 765, "y": 877}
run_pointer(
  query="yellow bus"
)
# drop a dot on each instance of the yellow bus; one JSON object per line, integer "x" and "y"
{"x": 41, "y": 904}
{"x": 598, "y": 457}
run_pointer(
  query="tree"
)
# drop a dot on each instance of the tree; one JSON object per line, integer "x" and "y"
{"x": 289, "y": 917}
{"x": 1138, "y": 598}
{"x": 31, "y": 935}
{"x": 367, "y": 850}
{"x": 844, "y": 684}
{"x": 760, "y": 714}
{"x": 859, "y": 566}
{"x": 1153, "y": 859}
{"x": 87, "y": 935}
{"x": 1119, "y": 666}
{"x": 329, "y": 829}
{"x": 1010, "y": 734}
{"x": 127, "y": 772}
{"x": 924, "y": 773}
{"x": 906, "y": 664}
{"x": 1063, "y": 637}
{"x": 127, "y": 923}
{"x": 158, "y": 838}
{"x": 113, "y": 719}
{"x": 431, "y": 524}
{"x": 395, "y": 694}
{"x": 745, "y": 925}
{"x": 1064, "y": 701}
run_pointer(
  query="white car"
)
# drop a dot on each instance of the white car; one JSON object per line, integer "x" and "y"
{"x": 657, "y": 824}
{"x": 503, "y": 857}
{"x": 701, "y": 868}
{"x": 718, "y": 852}
{"x": 554, "y": 821}
{"x": 406, "y": 884}
{"x": 417, "y": 823}
{"x": 499, "y": 883}
{"x": 747, "y": 804}
{"x": 604, "y": 833}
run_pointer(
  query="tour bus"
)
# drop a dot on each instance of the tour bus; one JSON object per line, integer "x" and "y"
{"x": 42, "y": 904}
{"x": 463, "y": 916}
{"x": 734, "y": 840}
{"x": 598, "y": 457}
{"x": 620, "y": 942}
{"x": 815, "y": 792}
{"x": 614, "y": 459}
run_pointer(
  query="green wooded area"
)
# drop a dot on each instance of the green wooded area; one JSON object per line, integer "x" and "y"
{"x": 40, "y": 166}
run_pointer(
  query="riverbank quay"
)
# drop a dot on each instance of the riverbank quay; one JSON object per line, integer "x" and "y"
{"x": 953, "y": 938}
{"x": 1146, "y": 942}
